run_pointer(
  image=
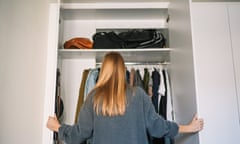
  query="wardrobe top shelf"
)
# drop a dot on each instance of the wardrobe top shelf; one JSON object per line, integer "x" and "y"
{"x": 130, "y": 55}
{"x": 108, "y": 14}
{"x": 116, "y": 5}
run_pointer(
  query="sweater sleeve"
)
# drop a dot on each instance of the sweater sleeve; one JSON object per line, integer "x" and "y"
{"x": 75, "y": 134}
{"x": 156, "y": 125}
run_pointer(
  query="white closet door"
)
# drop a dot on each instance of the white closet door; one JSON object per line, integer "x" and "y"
{"x": 214, "y": 74}
{"x": 234, "y": 19}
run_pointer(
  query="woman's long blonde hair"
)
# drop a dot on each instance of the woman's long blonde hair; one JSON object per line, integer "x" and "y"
{"x": 110, "y": 96}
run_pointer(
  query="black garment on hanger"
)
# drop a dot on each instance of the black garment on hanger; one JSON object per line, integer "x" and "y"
{"x": 156, "y": 82}
{"x": 58, "y": 105}
{"x": 128, "y": 76}
{"x": 138, "y": 79}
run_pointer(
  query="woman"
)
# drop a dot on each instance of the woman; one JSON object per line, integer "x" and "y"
{"x": 116, "y": 113}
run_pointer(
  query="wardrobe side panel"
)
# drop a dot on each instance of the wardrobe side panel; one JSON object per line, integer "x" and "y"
{"x": 51, "y": 65}
{"x": 71, "y": 76}
{"x": 214, "y": 74}
{"x": 182, "y": 70}
{"x": 234, "y": 18}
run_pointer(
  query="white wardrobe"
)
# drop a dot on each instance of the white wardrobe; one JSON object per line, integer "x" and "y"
{"x": 202, "y": 49}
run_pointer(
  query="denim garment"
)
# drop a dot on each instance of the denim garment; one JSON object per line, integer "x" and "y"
{"x": 91, "y": 81}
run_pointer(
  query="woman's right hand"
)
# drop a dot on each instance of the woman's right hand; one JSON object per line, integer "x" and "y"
{"x": 53, "y": 123}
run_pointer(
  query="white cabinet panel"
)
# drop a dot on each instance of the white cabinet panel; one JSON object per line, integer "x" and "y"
{"x": 214, "y": 74}
{"x": 234, "y": 19}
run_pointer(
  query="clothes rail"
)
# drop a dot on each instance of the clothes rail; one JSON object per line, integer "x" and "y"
{"x": 141, "y": 63}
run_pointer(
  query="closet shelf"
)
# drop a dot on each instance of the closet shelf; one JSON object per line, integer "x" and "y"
{"x": 116, "y": 5}
{"x": 132, "y": 24}
{"x": 130, "y": 55}
{"x": 135, "y": 12}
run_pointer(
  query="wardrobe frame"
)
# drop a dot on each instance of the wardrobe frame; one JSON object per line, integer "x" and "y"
{"x": 182, "y": 56}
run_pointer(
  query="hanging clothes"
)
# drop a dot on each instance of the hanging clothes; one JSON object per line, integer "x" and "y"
{"x": 155, "y": 86}
{"x": 155, "y": 99}
{"x": 150, "y": 87}
{"x": 59, "y": 107}
{"x": 169, "y": 104}
{"x": 162, "y": 86}
{"x": 81, "y": 93}
{"x": 170, "y": 112}
{"x": 91, "y": 81}
{"x": 132, "y": 75}
{"x": 146, "y": 77}
{"x": 128, "y": 76}
{"x": 163, "y": 97}
{"x": 154, "y": 81}
{"x": 138, "y": 79}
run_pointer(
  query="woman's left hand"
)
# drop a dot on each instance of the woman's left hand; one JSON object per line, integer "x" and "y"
{"x": 196, "y": 124}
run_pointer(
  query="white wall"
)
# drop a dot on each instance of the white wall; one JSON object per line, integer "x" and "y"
{"x": 234, "y": 18}
{"x": 23, "y": 45}
{"x": 216, "y": 0}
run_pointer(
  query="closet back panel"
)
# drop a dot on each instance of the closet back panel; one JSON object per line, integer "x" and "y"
{"x": 76, "y": 28}
{"x": 71, "y": 76}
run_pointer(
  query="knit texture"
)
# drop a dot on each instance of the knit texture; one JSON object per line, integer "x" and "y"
{"x": 139, "y": 119}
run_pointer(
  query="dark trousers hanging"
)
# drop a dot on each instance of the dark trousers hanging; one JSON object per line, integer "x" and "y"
{"x": 155, "y": 88}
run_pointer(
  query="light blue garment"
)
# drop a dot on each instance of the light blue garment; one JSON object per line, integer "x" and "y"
{"x": 91, "y": 81}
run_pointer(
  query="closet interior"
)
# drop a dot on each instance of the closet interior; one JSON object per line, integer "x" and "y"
{"x": 195, "y": 33}
{"x": 88, "y": 18}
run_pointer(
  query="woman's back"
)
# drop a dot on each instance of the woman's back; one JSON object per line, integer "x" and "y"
{"x": 139, "y": 119}
{"x": 128, "y": 128}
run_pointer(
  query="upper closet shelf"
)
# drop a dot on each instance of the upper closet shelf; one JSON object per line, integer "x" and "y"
{"x": 116, "y": 5}
{"x": 130, "y": 55}
{"x": 118, "y": 14}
